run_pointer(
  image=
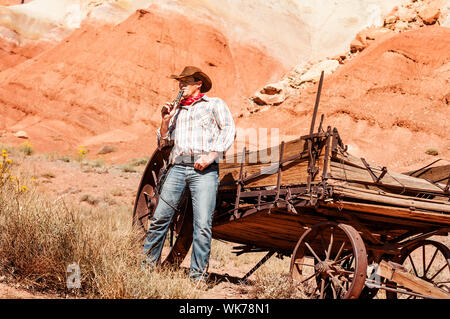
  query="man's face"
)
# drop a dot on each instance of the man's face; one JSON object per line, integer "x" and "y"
{"x": 189, "y": 85}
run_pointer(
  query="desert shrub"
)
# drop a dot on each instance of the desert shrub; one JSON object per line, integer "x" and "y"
{"x": 128, "y": 169}
{"x": 269, "y": 285}
{"x": 40, "y": 237}
{"x": 432, "y": 151}
{"x": 26, "y": 148}
{"x": 90, "y": 199}
{"x": 139, "y": 161}
{"x": 82, "y": 152}
{"x": 65, "y": 158}
{"x": 49, "y": 175}
{"x": 117, "y": 191}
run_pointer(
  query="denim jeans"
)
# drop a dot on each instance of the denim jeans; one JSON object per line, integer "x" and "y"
{"x": 203, "y": 186}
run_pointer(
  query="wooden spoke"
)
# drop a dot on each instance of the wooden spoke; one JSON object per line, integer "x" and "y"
{"x": 413, "y": 266}
{"x": 312, "y": 251}
{"x": 340, "y": 251}
{"x": 333, "y": 289}
{"x": 423, "y": 260}
{"x": 330, "y": 246}
{"x": 338, "y": 282}
{"x": 431, "y": 261}
{"x": 322, "y": 287}
{"x": 342, "y": 259}
{"x": 322, "y": 241}
{"x": 439, "y": 271}
{"x": 309, "y": 278}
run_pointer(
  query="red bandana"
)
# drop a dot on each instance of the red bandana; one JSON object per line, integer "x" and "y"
{"x": 189, "y": 101}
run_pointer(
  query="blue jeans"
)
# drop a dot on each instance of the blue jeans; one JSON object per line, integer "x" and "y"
{"x": 203, "y": 186}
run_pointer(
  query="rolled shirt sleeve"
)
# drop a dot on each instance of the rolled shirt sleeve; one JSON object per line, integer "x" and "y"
{"x": 227, "y": 129}
{"x": 166, "y": 140}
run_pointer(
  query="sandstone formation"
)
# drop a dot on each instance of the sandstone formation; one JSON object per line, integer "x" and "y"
{"x": 96, "y": 73}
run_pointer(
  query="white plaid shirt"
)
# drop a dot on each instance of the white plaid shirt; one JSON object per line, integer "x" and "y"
{"x": 202, "y": 127}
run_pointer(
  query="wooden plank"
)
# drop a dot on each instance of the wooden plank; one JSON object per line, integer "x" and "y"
{"x": 435, "y": 173}
{"x": 377, "y": 191}
{"x": 394, "y": 201}
{"x": 268, "y": 155}
{"x": 377, "y": 223}
{"x": 391, "y": 179}
{"x": 353, "y": 166}
{"x": 398, "y": 274}
{"x": 293, "y": 173}
{"x": 435, "y": 218}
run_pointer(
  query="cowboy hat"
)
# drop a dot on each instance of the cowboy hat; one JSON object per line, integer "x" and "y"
{"x": 197, "y": 74}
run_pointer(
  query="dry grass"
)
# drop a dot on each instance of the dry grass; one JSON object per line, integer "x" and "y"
{"x": 268, "y": 285}
{"x": 40, "y": 237}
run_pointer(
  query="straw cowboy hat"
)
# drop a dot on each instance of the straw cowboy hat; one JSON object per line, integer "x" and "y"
{"x": 197, "y": 74}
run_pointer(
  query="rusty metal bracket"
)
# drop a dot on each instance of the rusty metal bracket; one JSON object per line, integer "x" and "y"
{"x": 280, "y": 165}
{"x": 372, "y": 174}
{"x": 240, "y": 185}
{"x": 444, "y": 189}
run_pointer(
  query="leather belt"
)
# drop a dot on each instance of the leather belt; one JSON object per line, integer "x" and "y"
{"x": 189, "y": 160}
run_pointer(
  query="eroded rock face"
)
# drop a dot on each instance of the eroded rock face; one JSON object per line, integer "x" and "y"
{"x": 429, "y": 14}
{"x": 289, "y": 31}
{"x": 110, "y": 82}
{"x": 408, "y": 16}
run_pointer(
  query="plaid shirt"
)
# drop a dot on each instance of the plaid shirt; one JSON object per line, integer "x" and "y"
{"x": 205, "y": 126}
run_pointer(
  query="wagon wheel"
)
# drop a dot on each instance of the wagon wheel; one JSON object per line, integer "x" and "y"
{"x": 145, "y": 204}
{"x": 339, "y": 262}
{"x": 428, "y": 260}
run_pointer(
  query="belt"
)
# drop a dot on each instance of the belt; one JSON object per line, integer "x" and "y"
{"x": 189, "y": 160}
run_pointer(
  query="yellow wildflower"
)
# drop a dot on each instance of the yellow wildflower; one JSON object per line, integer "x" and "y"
{"x": 5, "y": 155}
{"x": 23, "y": 188}
{"x": 11, "y": 178}
{"x": 9, "y": 161}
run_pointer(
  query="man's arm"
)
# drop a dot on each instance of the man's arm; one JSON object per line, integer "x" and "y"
{"x": 227, "y": 132}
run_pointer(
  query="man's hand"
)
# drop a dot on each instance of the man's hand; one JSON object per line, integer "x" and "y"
{"x": 205, "y": 160}
{"x": 167, "y": 112}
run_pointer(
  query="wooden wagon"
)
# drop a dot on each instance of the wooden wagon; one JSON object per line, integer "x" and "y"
{"x": 350, "y": 228}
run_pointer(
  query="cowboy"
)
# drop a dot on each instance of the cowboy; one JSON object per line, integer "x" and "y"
{"x": 201, "y": 130}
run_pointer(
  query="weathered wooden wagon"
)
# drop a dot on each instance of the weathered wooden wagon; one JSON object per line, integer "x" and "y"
{"x": 350, "y": 228}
